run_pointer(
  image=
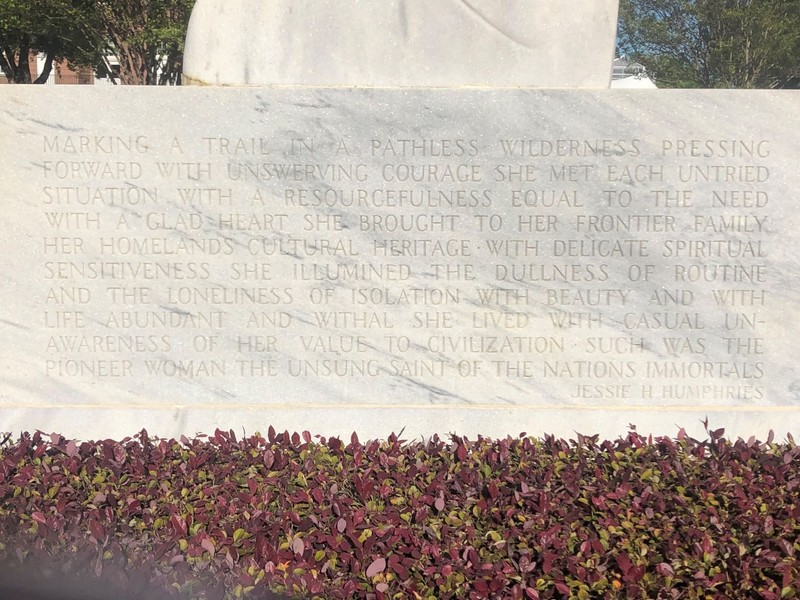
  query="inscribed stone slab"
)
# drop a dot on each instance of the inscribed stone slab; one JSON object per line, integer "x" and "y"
{"x": 476, "y": 261}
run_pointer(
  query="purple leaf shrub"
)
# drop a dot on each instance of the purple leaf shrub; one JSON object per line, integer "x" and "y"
{"x": 215, "y": 517}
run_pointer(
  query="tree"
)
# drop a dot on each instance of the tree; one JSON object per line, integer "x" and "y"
{"x": 60, "y": 29}
{"x": 714, "y": 43}
{"x": 147, "y": 37}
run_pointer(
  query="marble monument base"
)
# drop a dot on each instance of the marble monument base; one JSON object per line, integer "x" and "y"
{"x": 331, "y": 260}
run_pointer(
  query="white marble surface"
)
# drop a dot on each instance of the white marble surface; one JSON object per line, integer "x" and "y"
{"x": 388, "y": 43}
{"x": 105, "y": 189}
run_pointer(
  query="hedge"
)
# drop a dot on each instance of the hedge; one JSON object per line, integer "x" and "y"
{"x": 522, "y": 518}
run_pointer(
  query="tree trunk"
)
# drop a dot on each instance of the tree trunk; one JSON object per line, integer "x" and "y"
{"x": 48, "y": 67}
{"x": 132, "y": 70}
{"x": 15, "y": 63}
{"x": 171, "y": 70}
{"x": 23, "y": 74}
{"x": 5, "y": 57}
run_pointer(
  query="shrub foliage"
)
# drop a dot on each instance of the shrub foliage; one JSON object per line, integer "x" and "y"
{"x": 524, "y": 518}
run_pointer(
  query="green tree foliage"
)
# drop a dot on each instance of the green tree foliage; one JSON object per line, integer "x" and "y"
{"x": 59, "y": 29}
{"x": 146, "y": 36}
{"x": 714, "y": 43}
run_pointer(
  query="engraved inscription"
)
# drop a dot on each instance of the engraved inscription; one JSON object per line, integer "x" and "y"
{"x": 608, "y": 268}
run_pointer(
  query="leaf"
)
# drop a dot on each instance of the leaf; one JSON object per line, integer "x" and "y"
{"x": 178, "y": 525}
{"x": 239, "y": 535}
{"x": 208, "y": 546}
{"x": 665, "y": 569}
{"x": 119, "y": 453}
{"x": 71, "y": 449}
{"x": 341, "y": 525}
{"x": 298, "y": 546}
{"x": 624, "y": 562}
{"x": 439, "y": 504}
{"x": 97, "y": 530}
{"x": 377, "y": 566}
{"x": 496, "y": 537}
{"x": 365, "y": 535}
{"x": 461, "y": 453}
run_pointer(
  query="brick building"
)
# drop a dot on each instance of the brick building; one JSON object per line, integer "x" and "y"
{"x": 62, "y": 73}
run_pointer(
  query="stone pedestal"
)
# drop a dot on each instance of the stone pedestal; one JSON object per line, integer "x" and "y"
{"x": 331, "y": 260}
